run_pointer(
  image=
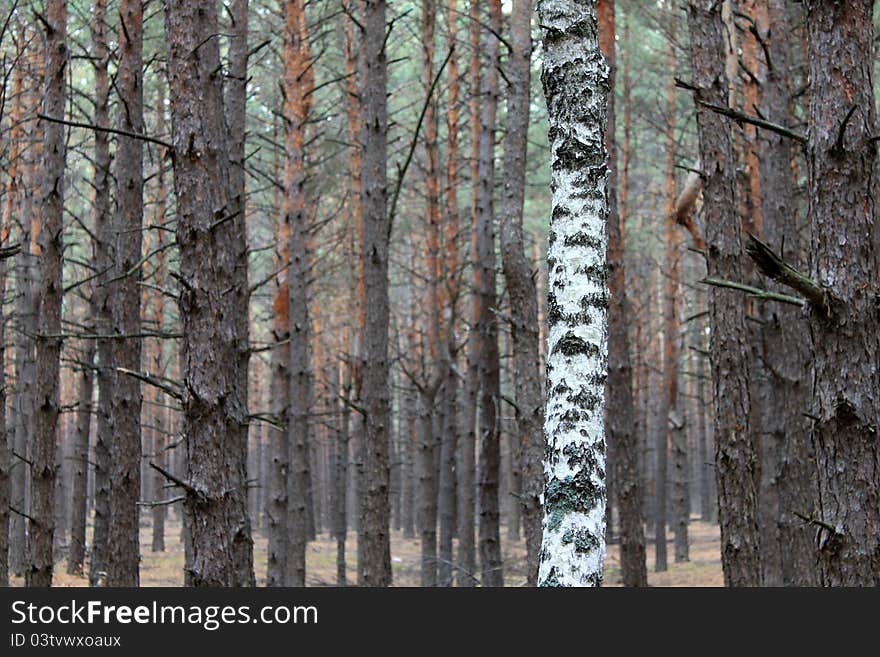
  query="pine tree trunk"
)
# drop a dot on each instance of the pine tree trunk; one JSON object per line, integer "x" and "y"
{"x": 736, "y": 459}
{"x": 427, "y": 489}
{"x": 101, "y": 257}
{"x": 235, "y": 100}
{"x": 619, "y": 411}
{"x": 486, "y": 324}
{"x": 125, "y": 290}
{"x": 298, "y": 84}
{"x": 79, "y": 486}
{"x": 11, "y": 204}
{"x": 279, "y": 394}
{"x": 48, "y": 342}
{"x": 788, "y": 474}
{"x": 467, "y": 557}
{"x": 671, "y": 416}
{"x": 521, "y": 287}
{"x": 845, "y": 258}
{"x": 450, "y": 291}
{"x": 160, "y": 412}
{"x": 215, "y": 508}
{"x": 374, "y": 547}
{"x": 576, "y": 85}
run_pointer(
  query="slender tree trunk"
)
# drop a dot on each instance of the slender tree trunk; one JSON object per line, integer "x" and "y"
{"x": 374, "y": 564}
{"x": 160, "y": 412}
{"x": 84, "y": 395}
{"x": 667, "y": 432}
{"x": 48, "y": 343}
{"x": 11, "y": 206}
{"x": 486, "y": 324}
{"x": 298, "y": 85}
{"x": 214, "y": 412}
{"x": 339, "y": 525}
{"x": 279, "y": 394}
{"x": 5, "y": 453}
{"x": 427, "y": 488}
{"x": 736, "y": 460}
{"x": 125, "y": 448}
{"x": 23, "y": 310}
{"x": 102, "y": 259}
{"x": 521, "y": 287}
{"x": 576, "y": 85}
{"x": 671, "y": 415}
{"x": 235, "y": 101}
{"x": 467, "y": 557}
{"x": 429, "y": 444}
{"x": 408, "y": 511}
{"x": 619, "y": 412}
{"x": 450, "y": 292}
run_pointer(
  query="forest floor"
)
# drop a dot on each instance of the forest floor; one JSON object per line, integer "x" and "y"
{"x": 166, "y": 568}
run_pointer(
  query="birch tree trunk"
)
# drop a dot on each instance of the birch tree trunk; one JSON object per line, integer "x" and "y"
{"x": 575, "y": 79}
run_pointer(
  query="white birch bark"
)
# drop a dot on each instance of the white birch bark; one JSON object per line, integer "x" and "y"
{"x": 575, "y": 79}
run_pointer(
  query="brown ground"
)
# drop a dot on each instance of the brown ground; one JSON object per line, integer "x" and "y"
{"x": 166, "y": 568}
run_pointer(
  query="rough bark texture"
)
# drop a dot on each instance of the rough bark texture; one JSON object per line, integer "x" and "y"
{"x": 467, "y": 557}
{"x": 619, "y": 411}
{"x": 374, "y": 547}
{"x": 128, "y": 171}
{"x": 79, "y": 485}
{"x": 11, "y": 205}
{"x": 845, "y": 258}
{"x": 5, "y": 454}
{"x": 48, "y": 343}
{"x": 788, "y": 474}
{"x": 735, "y": 457}
{"x": 24, "y": 311}
{"x": 279, "y": 394}
{"x": 235, "y": 98}
{"x": 486, "y": 324}
{"x": 339, "y": 463}
{"x": 575, "y": 79}
{"x": 101, "y": 257}
{"x": 427, "y": 488}
{"x": 428, "y": 441}
{"x": 298, "y": 85}
{"x": 674, "y": 441}
{"x": 521, "y": 289}
{"x": 447, "y": 509}
{"x": 218, "y": 529}
{"x": 160, "y": 412}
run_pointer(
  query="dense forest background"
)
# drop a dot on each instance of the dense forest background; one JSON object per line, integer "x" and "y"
{"x": 276, "y": 303}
